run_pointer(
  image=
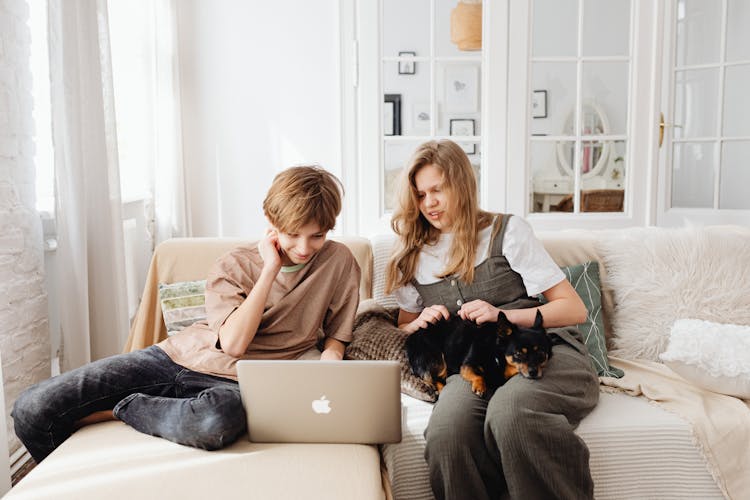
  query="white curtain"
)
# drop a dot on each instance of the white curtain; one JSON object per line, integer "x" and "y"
{"x": 92, "y": 296}
{"x": 171, "y": 207}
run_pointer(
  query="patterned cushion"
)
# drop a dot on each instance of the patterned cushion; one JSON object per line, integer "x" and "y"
{"x": 585, "y": 279}
{"x": 182, "y": 304}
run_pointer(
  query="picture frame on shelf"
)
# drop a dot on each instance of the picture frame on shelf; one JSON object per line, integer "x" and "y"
{"x": 407, "y": 67}
{"x": 539, "y": 104}
{"x": 461, "y": 88}
{"x": 421, "y": 116}
{"x": 392, "y": 114}
{"x": 463, "y": 127}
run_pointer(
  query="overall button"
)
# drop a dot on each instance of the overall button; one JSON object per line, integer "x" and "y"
{"x": 453, "y": 282}
{"x": 458, "y": 302}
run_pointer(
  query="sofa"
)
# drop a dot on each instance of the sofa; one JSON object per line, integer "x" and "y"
{"x": 654, "y": 434}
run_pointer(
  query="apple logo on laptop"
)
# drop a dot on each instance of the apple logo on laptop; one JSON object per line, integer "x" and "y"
{"x": 321, "y": 405}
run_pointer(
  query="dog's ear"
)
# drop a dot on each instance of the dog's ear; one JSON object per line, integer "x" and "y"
{"x": 539, "y": 319}
{"x": 504, "y": 327}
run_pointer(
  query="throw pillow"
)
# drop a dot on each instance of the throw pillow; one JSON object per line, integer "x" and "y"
{"x": 713, "y": 356}
{"x": 376, "y": 336}
{"x": 659, "y": 275}
{"x": 585, "y": 279}
{"x": 182, "y": 304}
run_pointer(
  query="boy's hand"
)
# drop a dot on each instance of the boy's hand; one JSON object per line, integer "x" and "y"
{"x": 270, "y": 251}
{"x": 333, "y": 350}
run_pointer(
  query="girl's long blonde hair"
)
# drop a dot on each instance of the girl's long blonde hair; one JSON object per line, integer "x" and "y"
{"x": 414, "y": 231}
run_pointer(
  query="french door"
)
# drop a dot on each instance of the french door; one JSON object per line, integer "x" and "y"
{"x": 705, "y": 154}
{"x": 583, "y": 116}
{"x": 562, "y": 121}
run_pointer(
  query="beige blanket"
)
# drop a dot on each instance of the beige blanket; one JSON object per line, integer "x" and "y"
{"x": 721, "y": 424}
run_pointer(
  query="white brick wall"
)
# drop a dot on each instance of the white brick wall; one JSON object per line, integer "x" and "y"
{"x": 24, "y": 337}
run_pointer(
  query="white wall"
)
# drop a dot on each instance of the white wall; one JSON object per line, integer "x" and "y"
{"x": 24, "y": 340}
{"x": 260, "y": 92}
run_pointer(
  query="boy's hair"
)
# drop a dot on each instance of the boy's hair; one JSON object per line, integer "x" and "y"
{"x": 302, "y": 195}
{"x": 415, "y": 231}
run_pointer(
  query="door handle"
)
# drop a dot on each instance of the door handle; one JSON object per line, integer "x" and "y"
{"x": 662, "y": 125}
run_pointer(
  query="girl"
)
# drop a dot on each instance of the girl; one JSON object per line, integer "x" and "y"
{"x": 454, "y": 258}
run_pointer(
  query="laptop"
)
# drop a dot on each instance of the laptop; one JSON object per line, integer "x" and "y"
{"x": 313, "y": 401}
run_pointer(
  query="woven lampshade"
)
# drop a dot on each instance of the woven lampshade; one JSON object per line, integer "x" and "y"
{"x": 466, "y": 25}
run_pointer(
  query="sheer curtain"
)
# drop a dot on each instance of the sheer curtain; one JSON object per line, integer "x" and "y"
{"x": 97, "y": 165}
{"x": 93, "y": 303}
{"x": 171, "y": 203}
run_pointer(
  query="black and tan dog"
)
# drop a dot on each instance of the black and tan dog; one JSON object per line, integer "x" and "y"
{"x": 486, "y": 355}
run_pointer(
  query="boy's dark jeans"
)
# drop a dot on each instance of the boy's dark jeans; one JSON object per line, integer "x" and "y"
{"x": 147, "y": 391}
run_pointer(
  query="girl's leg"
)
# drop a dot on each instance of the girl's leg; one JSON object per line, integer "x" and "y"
{"x": 530, "y": 428}
{"x": 206, "y": 413}
{"x": 459, "y": 464}
{"x": 45, "y": 414}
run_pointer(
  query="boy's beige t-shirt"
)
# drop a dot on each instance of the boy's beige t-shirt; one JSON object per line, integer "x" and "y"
{"x": 323, "y": 294}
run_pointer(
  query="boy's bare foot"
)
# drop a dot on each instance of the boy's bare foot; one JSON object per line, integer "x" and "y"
{"x": 95, "y": 418}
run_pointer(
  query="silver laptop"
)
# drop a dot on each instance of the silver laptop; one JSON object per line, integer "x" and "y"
{"x": 317, "y": 401}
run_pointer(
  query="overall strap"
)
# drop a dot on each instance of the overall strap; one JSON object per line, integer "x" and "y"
{"x": 498, "y": 232}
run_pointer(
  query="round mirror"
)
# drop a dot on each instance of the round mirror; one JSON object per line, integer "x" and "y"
{"x": 594, "y": 154}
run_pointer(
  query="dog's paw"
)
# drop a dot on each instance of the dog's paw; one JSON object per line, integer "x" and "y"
{"x": 478, "y": 385}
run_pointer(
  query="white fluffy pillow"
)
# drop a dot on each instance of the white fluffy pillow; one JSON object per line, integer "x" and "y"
{"x": 713, "y": 356}
{"x": 660, "y": 275}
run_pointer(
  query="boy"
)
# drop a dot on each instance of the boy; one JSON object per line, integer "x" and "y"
{"x": 263, "y": 301}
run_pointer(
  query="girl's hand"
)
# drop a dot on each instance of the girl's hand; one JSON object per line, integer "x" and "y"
{"x": 429, "y": 315}
{"x": 479, "y": 312}
{"x": 270, "y": 251}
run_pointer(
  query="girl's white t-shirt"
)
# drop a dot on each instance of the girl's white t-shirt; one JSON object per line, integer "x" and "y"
{"x": 525, "y": 253}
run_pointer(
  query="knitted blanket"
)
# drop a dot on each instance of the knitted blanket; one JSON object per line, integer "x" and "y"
{"x": 376, "y": 336}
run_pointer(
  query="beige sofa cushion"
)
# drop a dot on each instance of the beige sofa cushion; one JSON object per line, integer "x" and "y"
{"x": 113, "y": 461}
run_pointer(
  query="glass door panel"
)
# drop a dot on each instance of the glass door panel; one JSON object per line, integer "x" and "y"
{"x": 610, "y": 14}
{"x": 406, "y": 26}
{"x": 431, "y": 88}
{"x": 396, "y": 156}
{"x": 696, "y": 106}
{"x": 698, "y": 32}
{"x": 555, "y": 31}
{"x": 407, "y": 85}
{"x": 735, "y": 175}
{"x": 710, "y": 136}
{"x": 459, "y": 103}
{"x": 693, "y": 175}
{"x": 605, "y": 86}
{"x": 737, "y": 101}
{"x": 738, "y": 36}
{"x": 580, "y": 132}
{"x": 444, "y": 46}
{"x": 553, "y": 97}
{"x": 551, "y": 192}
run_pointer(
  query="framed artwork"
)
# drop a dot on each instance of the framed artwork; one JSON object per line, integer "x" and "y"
{"x": 407, "y": 67}
{"x": 462, "y": 88}
{"x": 421, "y": 116}
{"x": 392, "y": 114}
{"x": 539, "y": 104}
{"x": 463, "y": 127}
